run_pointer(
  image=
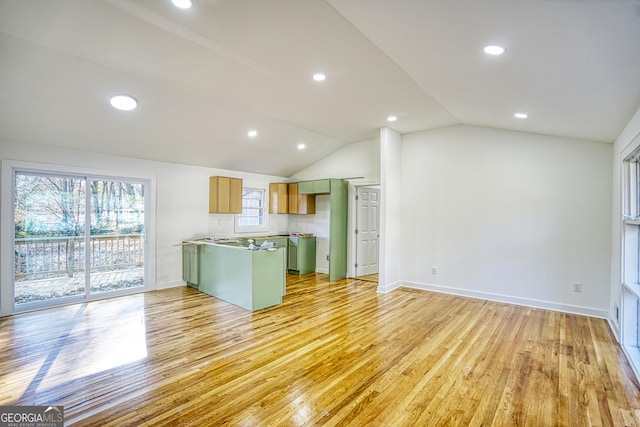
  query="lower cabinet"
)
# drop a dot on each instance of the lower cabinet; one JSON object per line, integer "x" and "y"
{"x": 280, "y": 241}
{"x": 301, "y": 255}
{"x": 249, "y": 279}
{"x": 190, "y": 272}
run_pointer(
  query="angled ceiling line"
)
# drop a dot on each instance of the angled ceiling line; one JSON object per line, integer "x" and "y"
{"x": 396, "y": 64}
{"x": 165, "y": 24}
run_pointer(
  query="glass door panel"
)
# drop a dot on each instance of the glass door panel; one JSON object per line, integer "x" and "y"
{"x": 76, "y": 237}
{"x": 116, "y": 243}
{"x": 49, "y": 216}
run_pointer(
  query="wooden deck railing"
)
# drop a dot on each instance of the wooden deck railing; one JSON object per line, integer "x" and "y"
{"x": 54, "y": 256}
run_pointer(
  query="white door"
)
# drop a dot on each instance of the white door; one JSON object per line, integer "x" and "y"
{"x": 367, "y": 230}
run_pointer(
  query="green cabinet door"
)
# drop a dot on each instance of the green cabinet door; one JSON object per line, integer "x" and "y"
{"x": 319, "y": 186}
{"x": 190, "y": 264}
{"x": 302, "y": 255}
{"x": 338, "y": 223}
{"x": 249, "y": 279}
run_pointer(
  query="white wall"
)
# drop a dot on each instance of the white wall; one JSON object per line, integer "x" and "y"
{"x": 181, "y": 198}
{"x": 508, "y": 216}
{"x": 631, "y": 131}
{"x": 359, "y": 159}
{"x": 391, "y": 182}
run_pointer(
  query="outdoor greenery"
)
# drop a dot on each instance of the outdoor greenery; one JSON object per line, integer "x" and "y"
{"x": 52, "y": 206}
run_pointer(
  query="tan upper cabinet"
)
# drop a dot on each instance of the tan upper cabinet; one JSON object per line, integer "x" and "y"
{"x": 278, "y": 198}
{"x": 225, "y": 195}
{"x": 300, "y": 203}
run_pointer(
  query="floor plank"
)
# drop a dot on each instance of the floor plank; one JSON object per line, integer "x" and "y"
{"x": 334, "y": 353}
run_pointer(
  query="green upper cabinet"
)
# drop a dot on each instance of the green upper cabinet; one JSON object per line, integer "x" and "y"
{"x": 319, "y": 186}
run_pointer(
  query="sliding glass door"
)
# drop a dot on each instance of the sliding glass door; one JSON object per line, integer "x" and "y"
{"x": 50, "y": 219}
{"x": 76, "y": 236}
{"x": 116, "y": 243}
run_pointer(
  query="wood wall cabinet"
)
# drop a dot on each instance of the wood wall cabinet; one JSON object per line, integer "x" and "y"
{"x": 300, "y": 203}
{"x": 278, "y": 198}
{"x": 225, "y": 195}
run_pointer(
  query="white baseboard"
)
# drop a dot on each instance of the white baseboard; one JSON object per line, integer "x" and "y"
{"x": 614, "y": 328}
{"x": 168, "y": 285}
{"x": 322, "y": 270}
{"x": 383, "y": 289}
{"x": 566, "y": 308}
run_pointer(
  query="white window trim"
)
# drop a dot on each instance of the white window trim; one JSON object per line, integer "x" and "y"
{"x": 629, "y": 319}
{"x": 239, "y": 229}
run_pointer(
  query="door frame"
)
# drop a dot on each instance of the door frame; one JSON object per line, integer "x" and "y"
{"x": 352, "y": 241}
{"x": 8, "y": 169}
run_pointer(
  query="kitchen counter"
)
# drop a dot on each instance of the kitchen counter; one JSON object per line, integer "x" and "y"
{"x": 229, "y": 270}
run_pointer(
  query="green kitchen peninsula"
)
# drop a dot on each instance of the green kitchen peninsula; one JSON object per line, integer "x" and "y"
{"x": 230, "y": 271}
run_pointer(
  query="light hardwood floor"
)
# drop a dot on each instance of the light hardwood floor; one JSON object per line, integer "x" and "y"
{"x": 333, "y": 354}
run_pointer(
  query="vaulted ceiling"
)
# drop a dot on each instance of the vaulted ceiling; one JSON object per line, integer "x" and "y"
{"x": 205, "y": 76}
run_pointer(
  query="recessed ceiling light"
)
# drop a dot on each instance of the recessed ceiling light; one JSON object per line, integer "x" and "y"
{"x": 392, "y": 118}
{"x": 521, "y": 115}
{"x": 252, "y": 133}
{"x": 494, "y": 50}
{"x": 124, "y": 102}
{"x": 319, "y": 77}
{"x": 183, "y": 4}
{"x": 302, "y": 146}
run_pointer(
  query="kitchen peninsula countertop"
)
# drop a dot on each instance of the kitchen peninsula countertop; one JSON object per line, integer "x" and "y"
{"x": 230, "y": 271}
{"x": 229, "y": 241}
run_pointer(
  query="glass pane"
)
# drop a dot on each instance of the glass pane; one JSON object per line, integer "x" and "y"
{"x": 253, "y": 212}
{"x": 117, "y": 235}
{"x": 249, "y": 193}
{"x": 49, "y": 215}
{"x": 249, "y": 203}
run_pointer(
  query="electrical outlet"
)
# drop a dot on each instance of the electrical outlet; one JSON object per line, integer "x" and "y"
{"x": 434, "y": 271}
{"x": 577, "y": 287}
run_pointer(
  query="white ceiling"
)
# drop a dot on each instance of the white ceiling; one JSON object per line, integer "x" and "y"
{"x": 205, "y": 76}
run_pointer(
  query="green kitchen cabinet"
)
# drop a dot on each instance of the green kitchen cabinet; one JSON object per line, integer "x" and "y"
{"x": 249, "y": 279}
{"x": 338, "y": 229}
{"x": 318, "y": 186}
{"x": 280, "y": 241}
{"x": 338, "y": 220}
{"x": 190, "y": 271}
{"x": 301, "y": 255}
